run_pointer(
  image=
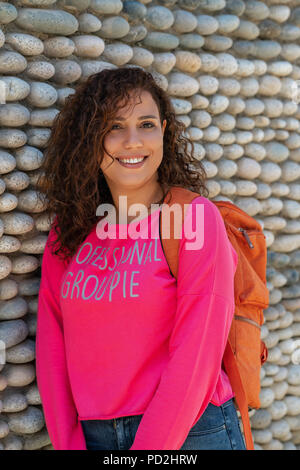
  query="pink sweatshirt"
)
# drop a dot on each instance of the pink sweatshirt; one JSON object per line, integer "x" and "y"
{"x": 116, "y": 336}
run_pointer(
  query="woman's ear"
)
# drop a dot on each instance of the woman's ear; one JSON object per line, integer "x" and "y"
{"x": 164, "y": 126}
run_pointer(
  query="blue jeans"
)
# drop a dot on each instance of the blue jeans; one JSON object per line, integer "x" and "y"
{"x": 217, "y": 429}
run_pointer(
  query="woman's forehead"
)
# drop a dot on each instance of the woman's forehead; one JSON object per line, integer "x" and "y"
{"x": 138, "y": 101}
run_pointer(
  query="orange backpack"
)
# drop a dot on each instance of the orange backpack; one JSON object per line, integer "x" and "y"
{"x": 245, "y": 352}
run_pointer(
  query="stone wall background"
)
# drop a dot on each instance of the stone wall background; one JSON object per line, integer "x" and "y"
{"x": 231, "y": 68}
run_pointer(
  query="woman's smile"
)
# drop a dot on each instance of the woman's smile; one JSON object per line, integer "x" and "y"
{"x": 132, "y": 162}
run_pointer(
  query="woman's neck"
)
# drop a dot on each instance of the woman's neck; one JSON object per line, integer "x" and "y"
{"x": 144, "y": 197}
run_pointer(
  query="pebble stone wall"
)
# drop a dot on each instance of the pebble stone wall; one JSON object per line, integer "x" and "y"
{"x": 231, "y": 68}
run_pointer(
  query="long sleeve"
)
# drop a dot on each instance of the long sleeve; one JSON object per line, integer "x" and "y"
{"x": 204, "y": 311}
{"x": 60, "y": 413}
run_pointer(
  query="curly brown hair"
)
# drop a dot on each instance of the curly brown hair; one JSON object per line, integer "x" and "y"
{"x": 71, "y": 179}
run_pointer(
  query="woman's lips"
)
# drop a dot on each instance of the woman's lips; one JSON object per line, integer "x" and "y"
{"x": 132, "y": 165}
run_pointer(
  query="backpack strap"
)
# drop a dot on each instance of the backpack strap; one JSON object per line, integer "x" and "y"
{"x": 240, "y": 395}
{"x": 170, "y": 247}
{"x": 183, "y": 198}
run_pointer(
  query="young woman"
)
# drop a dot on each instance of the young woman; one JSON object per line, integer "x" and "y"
{"x": 126, "y": 356}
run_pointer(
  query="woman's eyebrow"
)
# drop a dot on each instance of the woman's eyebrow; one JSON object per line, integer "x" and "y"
{"x": 150, "y": 116}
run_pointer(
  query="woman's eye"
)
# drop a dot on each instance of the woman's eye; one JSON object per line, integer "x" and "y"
{"x": 146, "y": 123}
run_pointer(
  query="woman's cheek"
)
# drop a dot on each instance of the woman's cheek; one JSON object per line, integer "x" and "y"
{"x": 155, "y": 139}
{"x": 111, "y": 141}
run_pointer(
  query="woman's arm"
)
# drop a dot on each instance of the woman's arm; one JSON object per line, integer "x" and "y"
{"x": 205, "y": 308}
{"x": 60, "y": 413}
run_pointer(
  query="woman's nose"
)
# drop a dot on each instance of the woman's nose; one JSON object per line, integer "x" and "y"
{"x": 132, "y": 139}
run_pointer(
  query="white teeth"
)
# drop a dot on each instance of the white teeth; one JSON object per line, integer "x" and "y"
{"x": 132, "y": 160}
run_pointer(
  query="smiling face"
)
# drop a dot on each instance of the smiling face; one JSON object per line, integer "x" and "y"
{"x": 136, "y": 132}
